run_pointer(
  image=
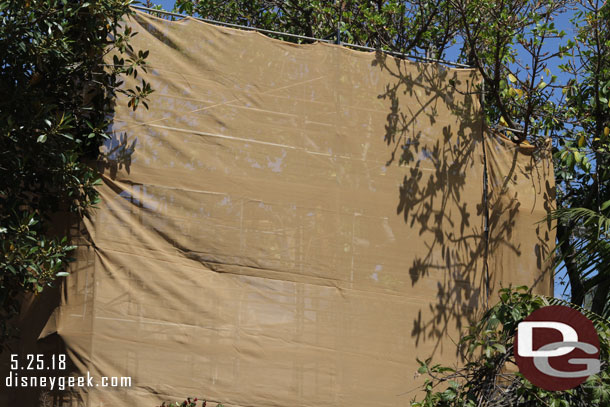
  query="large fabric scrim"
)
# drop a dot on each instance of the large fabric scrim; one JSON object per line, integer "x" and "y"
{"x": 293, "y": 225}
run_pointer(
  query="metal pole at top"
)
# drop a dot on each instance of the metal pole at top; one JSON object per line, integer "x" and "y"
{"x": 486, "y": 218}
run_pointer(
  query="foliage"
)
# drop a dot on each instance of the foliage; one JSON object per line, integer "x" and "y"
{"x": 591, "y": 253}
{"x": 57, "y": 101}
{"x": 189, "y": 403}
{"x": 419, "y": 26}
{"x": 489, "y": 378}
{"x": 582, "y": 155}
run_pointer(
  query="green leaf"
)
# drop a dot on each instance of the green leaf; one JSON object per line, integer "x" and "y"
{"x": 500, "y": 348}
{"x": 42, "y": 138}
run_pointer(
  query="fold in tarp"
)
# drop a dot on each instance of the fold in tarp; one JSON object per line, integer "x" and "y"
{"x": 293, "y": 225}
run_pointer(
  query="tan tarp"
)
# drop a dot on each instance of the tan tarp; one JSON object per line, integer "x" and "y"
{"x": 293, "y": 225}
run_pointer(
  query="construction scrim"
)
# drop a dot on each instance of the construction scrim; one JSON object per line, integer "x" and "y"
{"x": 293, "y": 225}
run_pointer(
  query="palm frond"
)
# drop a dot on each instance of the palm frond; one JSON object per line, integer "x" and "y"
{"x": 590, "y": 242}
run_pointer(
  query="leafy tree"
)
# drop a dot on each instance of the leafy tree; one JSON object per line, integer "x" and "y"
{"x": 57, "y": 99}
{"x": 582, "y": 158}
{"x": 416, "y": 27}
{"x": 489, "y": 377}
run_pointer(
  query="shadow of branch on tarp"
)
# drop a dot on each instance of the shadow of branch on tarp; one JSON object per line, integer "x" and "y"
{"x": 441, "y": 196}
{"x": 117, "y": 154}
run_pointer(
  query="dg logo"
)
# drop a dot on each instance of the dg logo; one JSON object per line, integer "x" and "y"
{"x": 557, "y": 348}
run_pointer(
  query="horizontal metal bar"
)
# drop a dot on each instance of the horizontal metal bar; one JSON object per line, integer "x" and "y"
{"x": 402, "y": 55}
{"x": 243, "y": 27}
{"x": 303, "y": 37}
{"x": 169, "y": 13}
